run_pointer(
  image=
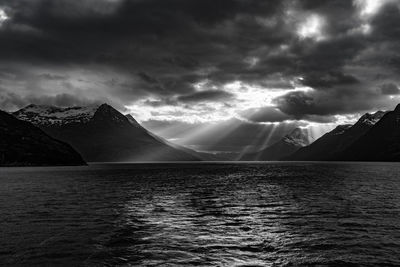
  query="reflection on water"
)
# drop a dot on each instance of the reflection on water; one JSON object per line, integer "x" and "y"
{"x": 277, "y": 214}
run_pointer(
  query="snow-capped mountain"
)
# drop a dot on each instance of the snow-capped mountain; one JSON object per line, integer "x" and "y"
{"x": 23, "y": 144}
{"x": 101, "y": 133}
{"x": 371, "y": 119}
{"x": 332, "y": 145}
{"x": 49, "y": 115}
{"x": 287, "y": 145}
{"x": 298, "y": 137}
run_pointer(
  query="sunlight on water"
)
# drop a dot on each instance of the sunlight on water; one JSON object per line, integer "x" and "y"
{"x": 201, "y": 215}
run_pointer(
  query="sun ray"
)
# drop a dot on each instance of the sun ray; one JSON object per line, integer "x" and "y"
{"x": 250, "y": 146}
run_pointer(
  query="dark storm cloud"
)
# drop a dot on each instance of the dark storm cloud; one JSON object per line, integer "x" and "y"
{"x": 328, "y": 79}
{"x": 297, "y": 103}
{"x": 148, "y": 79}
{"x": 385, "y": 39}
{"x": 12, "y": 101}
{"x": 62, "y": 100}
{"x": 54, "y": 30}
{"x": 390, "y": 89}
{"x": 209, "y": 95}
{"x": 317, "y": 105}
{"x": 177, "y": 41}
{"x": 273, "y": 114}
{"x": 386, "y": 23}
{"x": 161, "y": 102}
{"x": 165, "y": 47}
{"x": 55, "y": 77}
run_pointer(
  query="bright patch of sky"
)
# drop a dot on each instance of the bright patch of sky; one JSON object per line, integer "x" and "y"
{"x": 312, "y": 27}
{"x": 3, "y": 16}
{"x": 369, "y": 8}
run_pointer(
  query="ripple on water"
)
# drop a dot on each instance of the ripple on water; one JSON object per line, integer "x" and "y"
{"x": 298, "y": 214}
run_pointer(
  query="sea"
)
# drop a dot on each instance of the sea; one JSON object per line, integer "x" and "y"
{"x": 201, "y": 214}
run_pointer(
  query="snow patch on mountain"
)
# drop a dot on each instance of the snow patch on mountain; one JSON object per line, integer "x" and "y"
{"x": 341, "y": 129}
{"x": 371, "y": 119}
{"x": 298, "y": 137}
{"x": 49, "y": 115}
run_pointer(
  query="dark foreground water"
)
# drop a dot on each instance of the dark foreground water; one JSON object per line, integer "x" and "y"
{"x": 276, "y": 214}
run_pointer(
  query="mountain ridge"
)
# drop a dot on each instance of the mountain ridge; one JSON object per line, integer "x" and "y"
{"x": 380, "y": 143}
{"x": 102, "y": 134}
{"x": 331, "y": 145}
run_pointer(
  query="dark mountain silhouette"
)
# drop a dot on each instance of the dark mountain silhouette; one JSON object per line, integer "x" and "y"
{"x": 102, "y": 134}
{"x": 23, "y": 144}
{"x": 286, "y": 146}
{"x": 332, "y": 145}
{"x": 380, "y": 143}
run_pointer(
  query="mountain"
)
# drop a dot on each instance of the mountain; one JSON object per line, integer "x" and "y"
{"x": 380, "y": 143}
{"x": 133, "y": 121}
{"x": 102, "y": 134}
{"x": 202, "y": 155}
{"x": 287, "y": 145}
{"x": 23, "y": 144}
{"x": 332, "y": 145}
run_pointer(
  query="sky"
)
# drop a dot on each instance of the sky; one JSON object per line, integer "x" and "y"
{"x": 215, "y": 75}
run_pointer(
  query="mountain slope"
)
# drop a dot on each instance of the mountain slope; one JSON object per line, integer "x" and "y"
{"x": 23, "y": 144}
{"x": 102, "y": 134}
{"x": 202, "y": 155}
{"x": 287, "y": 145}
{"x": 380, "y": 143}
{"x": 331, "y": 145}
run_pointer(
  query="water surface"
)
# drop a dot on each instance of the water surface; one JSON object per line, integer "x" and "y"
{"x": 260, "y": 214}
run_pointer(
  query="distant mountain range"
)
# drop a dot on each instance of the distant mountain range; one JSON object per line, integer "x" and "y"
{"x": 346, "y": 142}
{"x": 23, "y": 144}
{"x": 47, "y": 135}
{"x": 289, "y": 144}
{"x": 339, "y": 143}
{"x": 102, "y": 134}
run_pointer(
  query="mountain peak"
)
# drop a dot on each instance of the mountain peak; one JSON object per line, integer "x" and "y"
{"x": 105, "y": 112}
{"x": 289, "y": 144}
{"x": 298, "y": 137}
{"x": 397, "y": 109}
{"x": 105, "y": 106}
{"x": 371, "y": 118}
{"x": 297, "y": 132}
{"x": 50, "y": 115}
